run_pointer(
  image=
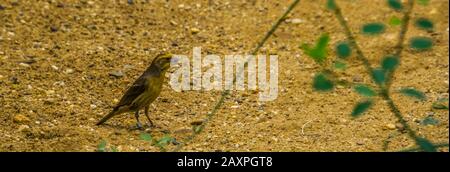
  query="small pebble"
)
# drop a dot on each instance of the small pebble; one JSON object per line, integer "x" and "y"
{"x": 50, "y": 92}
{"x": 433, "y": 11}
{"x": 183, "y": 131}
{"x": 49, "y": 101}
{"x": 128, "y": 67}
{"x": 360, "y": 142}
{"x": 117, "y": 74}
{"x": 23, "y": 128}
{"x": 24, "y": 65}
{"x": 357, "y": 78}
{"x": 69, "y": 71}
{"x": 59, "y": 83}
{"x": 390, "y": 126}
{"x": 21, "y": 119}
{"x": 399, "y": 126}
{"x": 391, "y": 36}
{"x": 195, "y": 30}
{"x": 296, "y": 21}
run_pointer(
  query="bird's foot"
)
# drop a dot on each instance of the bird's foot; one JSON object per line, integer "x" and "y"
{"x": 150, "y": 125}
{"x": 138, "y": 126}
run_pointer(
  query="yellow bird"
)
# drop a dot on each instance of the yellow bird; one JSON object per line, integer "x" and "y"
{"x": 143, "y": 91}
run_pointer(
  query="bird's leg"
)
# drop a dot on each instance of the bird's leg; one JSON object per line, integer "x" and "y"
{"x": 138, "y": 124}
{"x": 146, "y": 114}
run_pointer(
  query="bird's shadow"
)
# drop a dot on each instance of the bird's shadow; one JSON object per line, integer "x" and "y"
{"x": 123, "y": 127}
{"x": 133, "y": 128}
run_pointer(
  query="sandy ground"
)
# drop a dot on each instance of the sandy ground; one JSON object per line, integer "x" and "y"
{"x": 56, "y": 58}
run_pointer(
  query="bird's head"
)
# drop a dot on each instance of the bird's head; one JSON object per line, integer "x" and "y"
{"x": 162, "y": 62}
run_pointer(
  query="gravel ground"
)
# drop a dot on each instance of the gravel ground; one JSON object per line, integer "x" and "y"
{"x": 65, "y": 63}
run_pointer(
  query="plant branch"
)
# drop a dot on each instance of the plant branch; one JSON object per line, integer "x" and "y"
{"x": 384, "y": 92}
{"x": 397, "y": 113}
{"x": 351, "y": 38}
{"x": 227, "y": 92}
{"x": 439, "y": 145}
{"x": 401, "y": 39}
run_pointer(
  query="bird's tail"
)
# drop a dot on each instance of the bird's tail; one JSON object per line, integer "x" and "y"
{"x": 110, "y": 115}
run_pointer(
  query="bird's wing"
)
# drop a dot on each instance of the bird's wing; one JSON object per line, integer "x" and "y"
{"x": 133, "y": 92}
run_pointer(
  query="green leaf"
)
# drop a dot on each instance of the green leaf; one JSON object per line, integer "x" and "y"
{"x": 340, "y": 65}
{"x": 101, "y": 147}
{"x": 323, "y": 42}
{"x": 197, "y": 128}
{"x": 145, "y": 137}
{"x": 411, "y": 92}
{"x": 424, "y": 24}
{"x": 319, "y": 52}
{"x": 395, "y": 4}
{"x": 164, "y": 140}
{"x": 114, "y": 149}
{"x": 361, "y": 107}
{"x": 365, "y": 90}
{"x": 322, "y": 83}
{"x": 343, "y": 50}
{"x": 426, "y": 145}
{"x": 331, "y": 5}
{"x": 440, "y": 104}
{"x": 429, "y": 121}
{"x": 378, "y": 76}
{"x": 373, "y": 28}
{"x": 389, "y": 63}
{"x": 395, "y": 21}
{"x": 421, "y": 43}
{"x": 423, "y": 2}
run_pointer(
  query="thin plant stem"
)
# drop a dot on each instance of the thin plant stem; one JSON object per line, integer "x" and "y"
{"x": 384, "y": 91}
{"x": 227, "y": 92}
{"x": 351, "y": 39}
{"x": 415, "y": 149}
{"x": 397, "y": 113}
{"x": 401, "y": 39}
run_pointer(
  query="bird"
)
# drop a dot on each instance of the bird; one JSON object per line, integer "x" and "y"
{"x": 144, "y": 90}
